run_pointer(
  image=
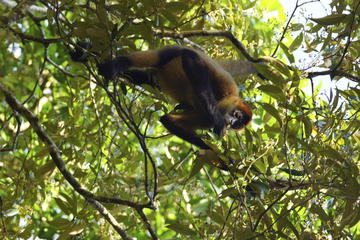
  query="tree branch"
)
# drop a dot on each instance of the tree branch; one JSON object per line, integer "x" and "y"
{"x": 56, "y": 156}
{"x": 147, "y": 224}
{"x": 25, "y": 37}
{"x": 31, "y": 8}
{"x": 348, "y": 42}
{"x": 335, "y": 72}
{"x": 286, "y": 28}
{"x": 268, "y": 208}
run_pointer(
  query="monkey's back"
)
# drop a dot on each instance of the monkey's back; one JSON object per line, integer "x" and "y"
{"x": 174, "y": 82}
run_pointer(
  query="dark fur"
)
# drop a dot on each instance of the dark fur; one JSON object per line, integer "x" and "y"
{"x": 213, "y": 95}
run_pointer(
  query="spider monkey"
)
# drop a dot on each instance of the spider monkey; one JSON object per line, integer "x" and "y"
{"x": 204, "y": 88}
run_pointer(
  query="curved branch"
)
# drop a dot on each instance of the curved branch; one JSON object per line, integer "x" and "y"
{"x": 335, "y": 72}
{"x": 25, "y": 37}
{"x": 268, "y": 208}
{"x": 348, "y": 42}
{"x": 56, "y": 157}
{"x": 147, "y": 224}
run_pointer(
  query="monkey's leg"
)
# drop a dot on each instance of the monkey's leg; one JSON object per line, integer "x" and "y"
{"x": 140, "y": 77}
{"x": 183, "y": 106}
{"x": 139, "y": 59}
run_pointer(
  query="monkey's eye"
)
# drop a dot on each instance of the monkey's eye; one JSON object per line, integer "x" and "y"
{"x": 239, "y": 119}
{"x": 238, "y": 114}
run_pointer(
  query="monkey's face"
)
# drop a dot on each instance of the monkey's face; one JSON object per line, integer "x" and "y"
{"x": 237, "y": 119}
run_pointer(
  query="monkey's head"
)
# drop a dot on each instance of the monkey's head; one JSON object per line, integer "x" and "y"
{"x": 238, "y": 114}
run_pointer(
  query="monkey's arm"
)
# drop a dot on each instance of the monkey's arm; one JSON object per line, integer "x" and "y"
{"x": 198, "y": 73}
{"x": 184, "y": 124}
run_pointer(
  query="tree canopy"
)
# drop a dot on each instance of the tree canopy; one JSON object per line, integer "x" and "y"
{"x": 83, "y": 159}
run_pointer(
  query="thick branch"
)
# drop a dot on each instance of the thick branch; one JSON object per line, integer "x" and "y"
{"x": 25, "y": 37}
{"x": 335, "y": 72}
{"x": 31, "y": 8}
{"x": 56, "y": 156}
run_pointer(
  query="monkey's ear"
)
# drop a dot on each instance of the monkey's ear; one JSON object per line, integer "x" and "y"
{"x": 79, "y": 53}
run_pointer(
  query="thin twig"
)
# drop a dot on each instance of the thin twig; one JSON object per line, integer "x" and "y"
{"x": 286, "y": 28}
{"x": 147, "y": 224}
{"x": 195, "y": 33}
{"x": 268, "y": 208}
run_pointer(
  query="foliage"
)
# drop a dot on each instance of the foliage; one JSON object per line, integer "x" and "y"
{"x": 296, "y": 168}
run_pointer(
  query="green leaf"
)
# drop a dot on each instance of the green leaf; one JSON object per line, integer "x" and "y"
{"x": 177, "y": 6}
{"x": 320, "y": 212}
{"x": 64, "y": 206}
{"x": 332, "y": 153}
{"x": 76, "y": 229}
{"x": 326, "y": 41}
{"x": 293, "y": 172}
{"x": 297, "y": 42}
{"x": 272, "y": 111}
{"x": 61, "y": 223}
{"x": 228, "y": 192}
{"x": 261, "y": 166}
{"x": 198, "y": 164}
{"x": 351, "y": 212}
{"x": 27, "y": 232}
{"x": 307, "y": 126}
{"x": 181, "y": 228}
{"x": 258, "y": 187}
{"x": 273, "y": 91}
{"x": 11, "y": 212}
{"x": 296, "y": 27}
{"x": 289, "y": 55}
{"x": 169, "y": 15}
{"x": 217, "y": 217}
{"x": 315, "y": 28}
{"x": 335, "y": 102}
{"x": 330, "y": 19}
{"x": 47, "y": 169}
{"x": 270, "y": 73}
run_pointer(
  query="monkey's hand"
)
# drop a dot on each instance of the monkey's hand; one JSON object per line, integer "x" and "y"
{"x": 219, "y": 123}
{"x": 108, "y": 69}
{"x": 80, "y": 53}
{"x": 113, "y": 68}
